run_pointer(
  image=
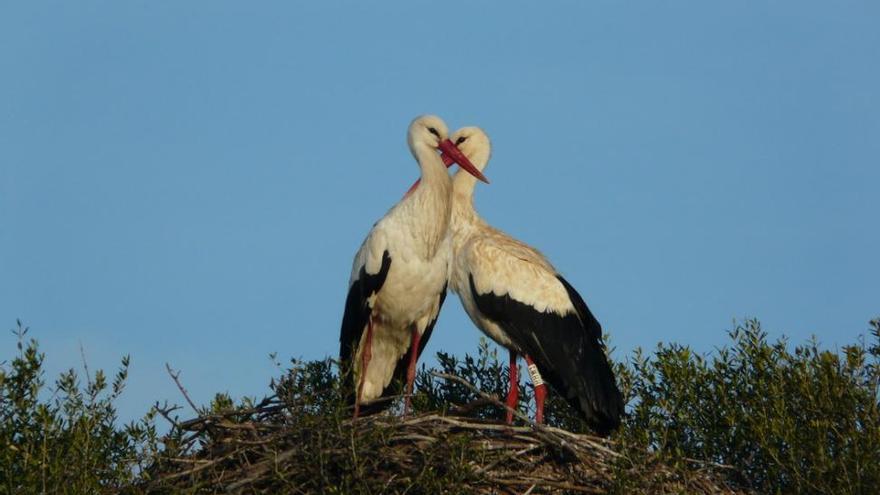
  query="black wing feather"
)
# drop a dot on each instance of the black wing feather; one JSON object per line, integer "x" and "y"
{"x": 568, "y": 351}
{"x": 357, "y": 313}
{"x": 591, "y": 324}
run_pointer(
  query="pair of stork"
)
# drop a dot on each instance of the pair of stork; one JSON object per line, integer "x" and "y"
{"x": 434, "y": 239}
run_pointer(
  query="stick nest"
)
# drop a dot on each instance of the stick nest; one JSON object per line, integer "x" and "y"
{"x": 283, "y": 447}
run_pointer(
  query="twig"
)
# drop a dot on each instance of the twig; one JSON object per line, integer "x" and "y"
{"x": 464, "y": 409}
{"x": 507, "y": 458}
{"x": 710, "y": 463}
{"x": 165, "y": 411}
{"x": 176, "y": 378}
{"x": 82, "y": 353}
{"x": 487, "y": 397}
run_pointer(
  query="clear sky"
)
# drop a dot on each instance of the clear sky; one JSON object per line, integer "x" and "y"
{"x": 187, "y": 182}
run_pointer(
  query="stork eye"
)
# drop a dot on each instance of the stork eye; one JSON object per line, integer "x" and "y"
{"x": 433, "y": 131}
{"x": 460, "y": 140}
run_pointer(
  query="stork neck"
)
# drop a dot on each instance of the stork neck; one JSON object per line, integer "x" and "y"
{"x": 463, "y": 185}
{"x": 463, "y": 213}
{"x": 465, "y": 219}
{"x": 433, "y": 170}
{"x": 426, "y": 212}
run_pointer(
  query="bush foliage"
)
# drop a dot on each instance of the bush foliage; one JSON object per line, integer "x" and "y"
{"x": 801, "y": 420}
{"x": 766, "y": 416}
{"x": 70, "y": 441}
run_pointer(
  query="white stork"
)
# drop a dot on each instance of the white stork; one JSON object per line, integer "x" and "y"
{"x": 515, "y": 296}
{"x": 399, "y": 276}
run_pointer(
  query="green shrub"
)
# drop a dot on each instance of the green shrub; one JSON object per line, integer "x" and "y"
{"x": 69, "y": 441}
{"x": 804, "y": 420}
{"x": 772, "y": 417}
{"x": 779, "y": 419}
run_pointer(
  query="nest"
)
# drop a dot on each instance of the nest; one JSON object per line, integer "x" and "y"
{"x": 277, "y": 447}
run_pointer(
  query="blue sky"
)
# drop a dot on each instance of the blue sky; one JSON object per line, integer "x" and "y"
{"x": 187, "y": 182}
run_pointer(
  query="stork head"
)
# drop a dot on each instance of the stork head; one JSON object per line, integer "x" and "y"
{"x": 474, "y": 143}
{"x": 427, "y": 130}
{"x": 430, "y": 131}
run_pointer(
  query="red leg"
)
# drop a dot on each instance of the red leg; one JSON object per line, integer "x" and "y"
{"x": 540, "y": 390}
{"x": 411, "y": 369}
{"x": 513, "y": 391}
{"x": 366, "y": 355}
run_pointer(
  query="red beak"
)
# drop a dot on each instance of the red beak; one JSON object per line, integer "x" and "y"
{"x": 458, "y": 157}
{"x": 449, "y": 161}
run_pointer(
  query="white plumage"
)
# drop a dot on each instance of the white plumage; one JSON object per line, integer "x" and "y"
{"x": 399, "y": 275}
{"x": 515, "y": 296}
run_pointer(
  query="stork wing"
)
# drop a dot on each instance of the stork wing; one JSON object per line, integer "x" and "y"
{"x": 358, "y": 306}
{"x": 548, "y": 320}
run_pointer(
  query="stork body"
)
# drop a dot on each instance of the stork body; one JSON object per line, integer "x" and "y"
{"x": 399, "y": 276}
{"x": 517, "y": 298}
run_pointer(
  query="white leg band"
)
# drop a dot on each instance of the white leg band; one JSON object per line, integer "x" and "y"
{"x": 536, "y": 377}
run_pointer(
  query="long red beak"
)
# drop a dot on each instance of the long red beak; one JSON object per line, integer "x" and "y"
{"x": 448, "y": 161}
{"x": 458, "y": 157}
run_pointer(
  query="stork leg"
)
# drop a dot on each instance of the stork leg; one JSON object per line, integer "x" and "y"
{"x": 366, "y": 355}
{"x": 540, "y": 390}
{"x": 411, "y": 369}
{"x": 513, "y": 391}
